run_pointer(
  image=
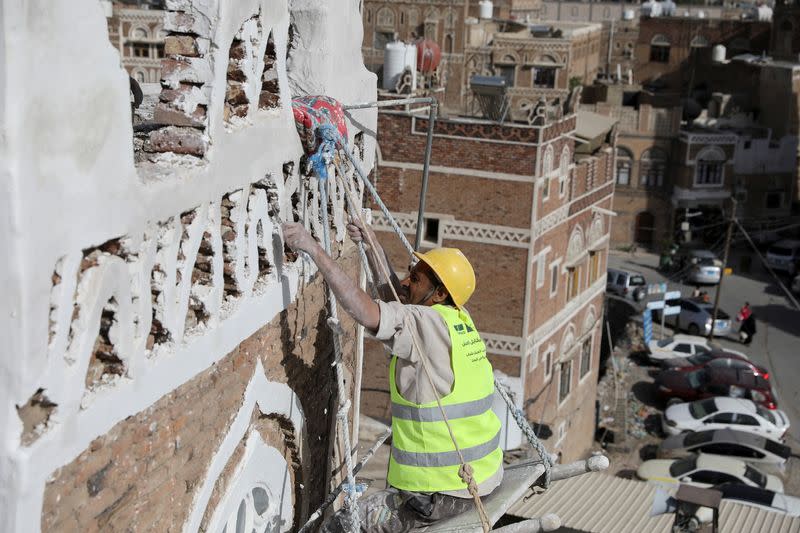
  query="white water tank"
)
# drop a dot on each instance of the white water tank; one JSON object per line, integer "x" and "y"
{"x": 718, "y": 53}
{"x": 763, "y": 13}
{"x": 651, "y": 8}
{"x": 397, "y": 58}
{"x": 668, "y": 8}
{"x": 108, "y": 8}
{"x": 628, "y": 14}
{"x": 485, "y": 9}
{"x": 701, "y": 14}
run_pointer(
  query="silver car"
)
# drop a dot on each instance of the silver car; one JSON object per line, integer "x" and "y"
{"x": 695, "y": 318}
{"x": 703, "y": 267}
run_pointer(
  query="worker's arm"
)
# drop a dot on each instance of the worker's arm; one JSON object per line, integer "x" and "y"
{"x": 354, "y": 301}
{"x": 376, "y": 254}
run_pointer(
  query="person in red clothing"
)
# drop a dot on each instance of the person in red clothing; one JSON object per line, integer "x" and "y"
{"x": 744, "y": 312}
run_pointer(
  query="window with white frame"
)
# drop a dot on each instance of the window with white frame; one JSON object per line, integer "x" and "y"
{"x": 652, "y": 168}
{"x": 659, "y": 49}
{"x": 545, "y": 188}
{"x": 710, "y": 167}
{"x": 624, "y": 165}
{"x": 586, "y": 356}
{"x": 547, "y": 361}
{"x": 594, "y": 265}
{"x": 541, "y": 267}
{"x": 553, "y": 279}
{"x": 573, "y": 282}
{"x": 564, "y": 380}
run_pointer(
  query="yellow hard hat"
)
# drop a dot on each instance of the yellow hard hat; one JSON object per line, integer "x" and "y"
{"x": 453, "y": 270}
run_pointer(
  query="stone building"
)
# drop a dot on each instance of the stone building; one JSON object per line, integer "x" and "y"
{"x": 529, "y": 205}
{"x": 166, "y": 365}
{"x": 668, "y": 47}
{"x": 647, "y": 125}
{"x": 541, "y": 59}
{"x": 136, "y": 29}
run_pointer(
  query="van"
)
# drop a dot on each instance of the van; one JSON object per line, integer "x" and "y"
{"x": 784, "y": 256}
{"x": 627, "y": 284}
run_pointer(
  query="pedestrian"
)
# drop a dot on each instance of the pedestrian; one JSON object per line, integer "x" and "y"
{"x": 748, "y": 329}
{"x": 744, "y": 312}
{"x": 423, "y": 483}
{"x": 696, "y": 292}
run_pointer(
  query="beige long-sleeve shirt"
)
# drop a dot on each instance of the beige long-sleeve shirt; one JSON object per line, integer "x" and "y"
{"x": 397, "y": 325}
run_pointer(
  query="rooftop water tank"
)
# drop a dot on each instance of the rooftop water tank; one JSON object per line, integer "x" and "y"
{"x": 668, "y": 8}
{"x": 701, "y": 14}
{"x": 763, "y": 13}
{"x": 397, "y": 58}
{"x": 651, "y": 9}
{"x": 428, "y": 56}
{"x": 718, "y": 53}
{"x": 628, "y": 14}
{"x": 485, "y": 9}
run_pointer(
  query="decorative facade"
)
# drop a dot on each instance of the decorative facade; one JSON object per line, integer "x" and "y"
{"x": 165, "y": 368}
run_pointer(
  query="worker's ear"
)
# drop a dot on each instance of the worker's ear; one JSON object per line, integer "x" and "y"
{"x": 440, "y": 295}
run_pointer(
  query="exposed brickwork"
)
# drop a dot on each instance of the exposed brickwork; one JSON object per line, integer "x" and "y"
{"x": 400, "y": 145}
{"x": 490, "y": 205}
{"x": 144, "y": 473}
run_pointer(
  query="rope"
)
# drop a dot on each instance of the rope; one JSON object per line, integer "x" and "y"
{"x": 465, "y": 471}
{"x": 521, "y": 421}
{"x": 330, "y": 138}
{"x": 526, "y": 428}
{"x": 319, "y": 162}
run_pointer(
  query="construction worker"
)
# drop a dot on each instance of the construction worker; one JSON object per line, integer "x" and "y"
{"x": 423, "y": 480}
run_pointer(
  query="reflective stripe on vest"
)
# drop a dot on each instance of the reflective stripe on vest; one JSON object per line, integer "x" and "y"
{"x": 423, "y": 457}
{"x": 446, "y": 458}
{"x": 434, "y": 414}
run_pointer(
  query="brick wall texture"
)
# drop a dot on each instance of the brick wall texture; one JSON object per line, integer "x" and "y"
{"x": 144, "y": 474}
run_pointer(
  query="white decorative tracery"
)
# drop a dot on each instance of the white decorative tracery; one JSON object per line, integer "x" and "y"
{"x": 576, "y": 248}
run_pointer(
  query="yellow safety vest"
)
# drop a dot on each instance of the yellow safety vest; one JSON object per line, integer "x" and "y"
{"x": 423, "y": 457}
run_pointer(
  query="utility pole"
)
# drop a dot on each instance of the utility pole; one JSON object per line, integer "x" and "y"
{"x": 724, "y": 266}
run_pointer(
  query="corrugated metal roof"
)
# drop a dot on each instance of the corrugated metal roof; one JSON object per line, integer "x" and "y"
{"x": 600, "y": 503}
{"x": 737, "y": 518}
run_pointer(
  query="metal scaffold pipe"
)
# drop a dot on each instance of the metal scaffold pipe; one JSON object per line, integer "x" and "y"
{"x": 432, "y": 114}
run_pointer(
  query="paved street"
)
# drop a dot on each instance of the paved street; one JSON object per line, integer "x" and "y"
{"x": 777, "y": 341}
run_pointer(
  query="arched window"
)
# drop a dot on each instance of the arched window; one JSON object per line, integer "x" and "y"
{"x": 547, "y": 160}
{"x": 652, "y": 168}
{"x": 139, "y": 76}
{"x": 385, "y": 18}
{"x": 563, "y": 170}
{"x": 710, "y": 167}
{"x": 448, "y": 44}
{"x": 659, "y": 49}
{"x": 699, "y": 42}
{"x": 624, "y": 165}
{"x": 413, "y": 17}
{"x": 139, "y": 33}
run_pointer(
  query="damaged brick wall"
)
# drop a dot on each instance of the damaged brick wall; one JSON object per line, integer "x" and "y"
{"x": 145, "y": 472}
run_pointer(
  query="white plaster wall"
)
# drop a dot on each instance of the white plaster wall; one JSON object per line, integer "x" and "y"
{"x": 69, "y": 183}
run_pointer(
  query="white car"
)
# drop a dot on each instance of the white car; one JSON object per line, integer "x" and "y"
{"x": 681, "y": 345}
{"x": 722, "y": 412}
{"x": 706, "y": 471}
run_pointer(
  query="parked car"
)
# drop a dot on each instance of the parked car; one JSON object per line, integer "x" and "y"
{"x": 709, "y": 382}
{"x": 682, "y": 346}
{"x": 695, "y": 317}
{"x": 706, "y": 471}
{"x": 724, "y": 413}
{"x": 626, "y": 284}
{"x": 728, "y": 362}
{"x": 703, "y": 358}
{"x": 784, "y": 256}
{"x": 702, "y": 267}
{"x": 740, "y": 445}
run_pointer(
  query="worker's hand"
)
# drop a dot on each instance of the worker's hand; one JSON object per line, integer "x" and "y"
{"x": 358, "y": 233}
{"x": 298, "y": 238}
